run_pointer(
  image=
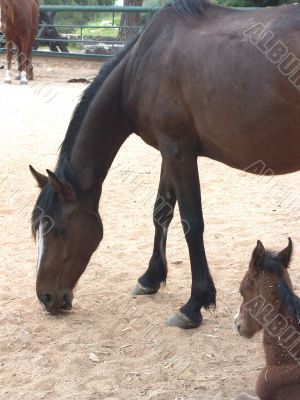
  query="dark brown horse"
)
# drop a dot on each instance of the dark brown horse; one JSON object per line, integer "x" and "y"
{"x": 270, "y": 304}
{"x": 192, "y": 84}
{"x": 20, "y": 21}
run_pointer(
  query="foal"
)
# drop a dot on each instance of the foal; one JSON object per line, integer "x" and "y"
{"x": 269, "y": 303}
{"x": 20, "y": 21}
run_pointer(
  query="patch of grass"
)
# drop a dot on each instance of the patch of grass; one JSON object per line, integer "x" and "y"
{"x": 101, "y": 27}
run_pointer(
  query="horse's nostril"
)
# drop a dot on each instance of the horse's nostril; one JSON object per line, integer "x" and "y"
{"x": 66, "y": 302}
{"x": 45, "y": 298}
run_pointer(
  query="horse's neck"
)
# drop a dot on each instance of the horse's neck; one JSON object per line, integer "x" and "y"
{"x": 102, "y": 133}
{"x": 281, "y": 339}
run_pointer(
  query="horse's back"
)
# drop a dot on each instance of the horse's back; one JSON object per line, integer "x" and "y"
{"x": 202, "y": 76}
{"x": 20, "y": 16}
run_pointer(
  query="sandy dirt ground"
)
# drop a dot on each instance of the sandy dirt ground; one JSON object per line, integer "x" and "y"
{"x": 136, "y": 356}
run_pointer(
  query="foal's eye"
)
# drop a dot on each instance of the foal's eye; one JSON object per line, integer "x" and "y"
{"x": 62, "y": 230}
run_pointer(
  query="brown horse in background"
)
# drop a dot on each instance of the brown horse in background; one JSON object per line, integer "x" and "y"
{"x": 20, "y": 21}
{"x": 269, "y": 303}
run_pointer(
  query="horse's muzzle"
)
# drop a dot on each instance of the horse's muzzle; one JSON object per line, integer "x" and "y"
{"x": 56, "y": 304}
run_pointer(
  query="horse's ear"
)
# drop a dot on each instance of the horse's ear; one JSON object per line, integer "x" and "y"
{"x": 41, "y": 179}
{"x": 258, "y": 256}
{"x": 285, "y": 255}
{"x": 64, "y": 189}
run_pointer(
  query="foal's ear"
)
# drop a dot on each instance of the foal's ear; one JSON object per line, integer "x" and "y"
{"x": 64, "y": 189}
{"x": 41, "y": 179}
{"x": 258, "y": 256}
{"x": 285, "y": 255}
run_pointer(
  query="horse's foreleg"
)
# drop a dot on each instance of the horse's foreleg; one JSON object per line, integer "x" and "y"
{"x": 23, "y": 62}
{"x": 163, "y": 212}
{"x": 22, "y": 67}
{"x": 183, "y": 171}
{"x": 29, "y": 66}
{"x": 9, "y": 50}
{"x": 18, "y": 45}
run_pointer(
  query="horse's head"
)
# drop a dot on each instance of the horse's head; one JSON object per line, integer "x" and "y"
{"x": 260, "y": 287}
{"x": 68, "y": 229}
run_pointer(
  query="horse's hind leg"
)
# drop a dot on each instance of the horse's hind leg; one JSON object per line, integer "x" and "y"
{"x": 181, "y": 164}
{"x": 29, "y": 66}
{"x": 163, "y": 212}
{"x": 9, "y": 50}
{"x": 18, "y": 45}
{"x": 25, "y": 62}
{"x": 22, "y": 61}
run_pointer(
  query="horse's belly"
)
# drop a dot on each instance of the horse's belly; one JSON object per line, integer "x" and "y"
{"x": 260, "y": 164}
{"x": 247, "y": 122}
{"x": 273, "y": 150}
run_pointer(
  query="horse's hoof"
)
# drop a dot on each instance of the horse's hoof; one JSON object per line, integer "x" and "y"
{"x": 23, "y": 82}
{"x": 8, "y": 81}
{"x": 140, "y": 290}
{"x": 181, "y": 321}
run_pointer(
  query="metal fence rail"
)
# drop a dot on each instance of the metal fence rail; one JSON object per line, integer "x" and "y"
{"x": 100, "y": 8}
{"x": 78, "y": 40}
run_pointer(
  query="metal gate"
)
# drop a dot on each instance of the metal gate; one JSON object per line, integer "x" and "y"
{"x": 97, "y": 39}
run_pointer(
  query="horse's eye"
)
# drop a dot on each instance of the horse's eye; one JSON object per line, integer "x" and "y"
{"x": 62, "y": 230}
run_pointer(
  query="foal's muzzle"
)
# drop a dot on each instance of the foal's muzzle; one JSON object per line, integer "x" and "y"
{"x": 56, "y": 303}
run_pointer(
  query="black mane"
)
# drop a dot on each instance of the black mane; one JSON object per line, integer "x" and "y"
{"x": 86, "y": 100}
{"x": 288, "y": 298}
{"x": 273, "y": 264}
{"x": 190, "y": 8}
{"x": 47, "y": 204}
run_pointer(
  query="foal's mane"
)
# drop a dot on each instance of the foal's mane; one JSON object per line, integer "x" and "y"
{"x": 287, "y": 296}
{"x": 47, "y": 204}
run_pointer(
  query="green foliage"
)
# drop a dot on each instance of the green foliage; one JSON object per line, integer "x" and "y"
{"x": 252, "y": 3}
{"x": 77, "y": 2}
{"x": 76, "y": 18}
{"x": 153, "y": 3}
{"x": 232, "y": 3}
{"x": 101, "y": 27}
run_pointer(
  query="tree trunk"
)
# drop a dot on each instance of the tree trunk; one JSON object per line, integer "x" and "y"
{"x": 130, "y": 22}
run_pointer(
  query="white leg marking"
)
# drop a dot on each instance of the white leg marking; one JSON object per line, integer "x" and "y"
{"x": 23, "y": 80}
{"x": 40, "y": 246}
{"x": 8, "y": 76}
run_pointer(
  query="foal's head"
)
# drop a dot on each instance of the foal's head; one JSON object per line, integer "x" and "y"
{"x": 68, "y": 228}
{"x": 260, "y": 288}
